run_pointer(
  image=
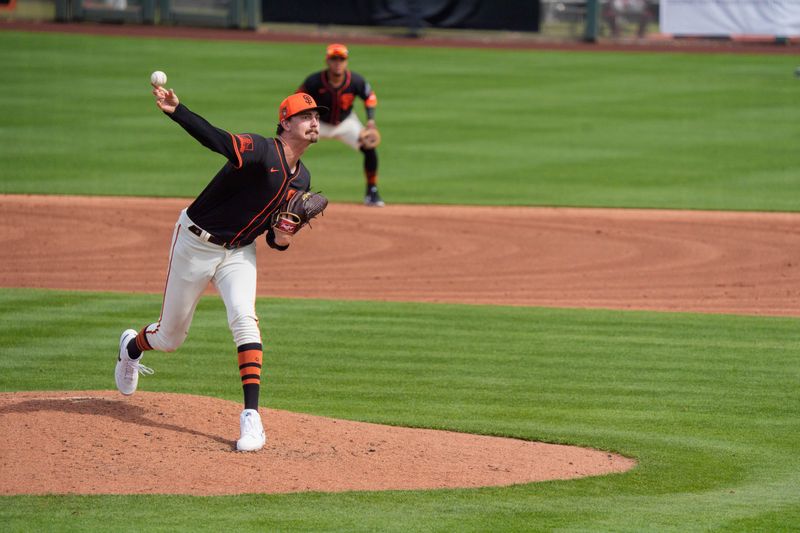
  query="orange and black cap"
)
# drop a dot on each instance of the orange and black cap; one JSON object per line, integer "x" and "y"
{"x": 297, "y": 103}
{"x": 336, "y": 50}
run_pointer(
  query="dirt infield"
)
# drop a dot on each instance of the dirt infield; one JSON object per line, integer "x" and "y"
{"x": 710, "y": 262}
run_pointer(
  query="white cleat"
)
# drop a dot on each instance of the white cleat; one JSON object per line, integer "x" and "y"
{"x": 128, "y": 370}
{"x": 252, "y": 430}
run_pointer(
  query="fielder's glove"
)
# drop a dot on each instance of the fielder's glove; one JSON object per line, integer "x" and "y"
{"x": 298, "y": 211}
{"x": 369, "y": 138}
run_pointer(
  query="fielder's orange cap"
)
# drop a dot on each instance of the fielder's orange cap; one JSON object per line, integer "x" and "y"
{"x": 297, "y": 103}
{"x": 336, "y": 50}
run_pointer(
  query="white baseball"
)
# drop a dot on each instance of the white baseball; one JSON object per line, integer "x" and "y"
{"x": 158, "y": 78}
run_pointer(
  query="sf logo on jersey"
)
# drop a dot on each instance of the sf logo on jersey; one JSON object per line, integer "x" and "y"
{"x": 346, "y": 101}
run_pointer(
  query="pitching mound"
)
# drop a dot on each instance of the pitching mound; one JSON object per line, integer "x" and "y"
{"x": 99, "y": 442}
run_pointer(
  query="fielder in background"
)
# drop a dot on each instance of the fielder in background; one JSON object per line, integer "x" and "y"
{"x": 262, "y": 188}
{"x": 336, "y": 88}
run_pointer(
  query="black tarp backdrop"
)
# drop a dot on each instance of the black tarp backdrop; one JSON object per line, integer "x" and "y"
{"x": 513, "y": 15}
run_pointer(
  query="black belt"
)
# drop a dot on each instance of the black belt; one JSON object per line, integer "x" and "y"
{"x": 215, "y": 240}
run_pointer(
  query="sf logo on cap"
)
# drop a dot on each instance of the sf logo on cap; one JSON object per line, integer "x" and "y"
{"x": 308, "y": 99}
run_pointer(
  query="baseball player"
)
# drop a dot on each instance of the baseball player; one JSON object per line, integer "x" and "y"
{"x": 336, "y": 88}
{"x": 214, "y": 241}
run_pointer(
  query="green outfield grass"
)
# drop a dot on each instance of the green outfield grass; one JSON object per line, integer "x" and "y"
{"x": 707, "y": 405}
{"x": 464, "y": 126}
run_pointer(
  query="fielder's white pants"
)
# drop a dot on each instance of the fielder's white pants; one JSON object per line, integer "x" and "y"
{"x": 346, "y": 131}
{"x": 194, "y": 263}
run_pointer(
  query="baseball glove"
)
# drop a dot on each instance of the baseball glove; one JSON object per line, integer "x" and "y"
{"x": 299, "y": 210}
{"x": 369, "y": 138}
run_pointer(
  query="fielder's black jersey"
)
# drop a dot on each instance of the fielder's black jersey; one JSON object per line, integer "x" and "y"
{"x": 237, "y": 204}
{"x": 338, "y": 100}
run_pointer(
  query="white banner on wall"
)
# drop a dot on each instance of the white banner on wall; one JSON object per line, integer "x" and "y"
{"x": 780, "y": 18}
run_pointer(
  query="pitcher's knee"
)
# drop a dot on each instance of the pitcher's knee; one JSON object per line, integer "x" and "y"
{"x": 164, "y": 341}
{"x": 245, "y": 329}
{"x": 171, "y": 347}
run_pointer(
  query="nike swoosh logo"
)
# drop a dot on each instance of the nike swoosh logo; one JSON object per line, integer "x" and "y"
{"x": 273, "y": 170}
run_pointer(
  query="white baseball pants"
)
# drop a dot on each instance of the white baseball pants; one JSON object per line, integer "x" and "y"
{"x": 346, "y": 131}
{"x": 193, "y": 263}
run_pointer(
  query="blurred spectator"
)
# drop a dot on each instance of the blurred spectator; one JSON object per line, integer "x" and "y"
{"x": 640, "y": 12}
{"x": 414, "y": 18}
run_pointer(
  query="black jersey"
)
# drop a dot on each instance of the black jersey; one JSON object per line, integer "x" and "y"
{"x": 237, "y": 204}
{"x": 338, "y": 100}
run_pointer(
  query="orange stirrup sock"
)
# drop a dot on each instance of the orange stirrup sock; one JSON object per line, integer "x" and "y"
{"x": 250, "y": 371}
{"x": 141, "y": 340}
{"x": 138, "y": 344}
{"x": 250, "y": 356}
